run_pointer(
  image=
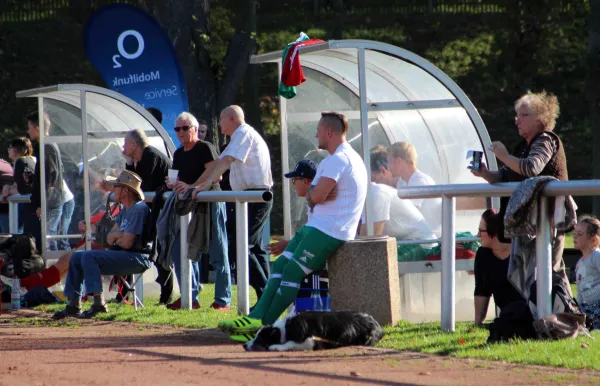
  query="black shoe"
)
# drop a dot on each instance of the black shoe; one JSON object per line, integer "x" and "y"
{"x": 93, "y": 311}
{"x": 67, "y": 311}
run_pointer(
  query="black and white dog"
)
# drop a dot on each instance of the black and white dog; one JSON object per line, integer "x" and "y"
{"x": 309, "y": 331}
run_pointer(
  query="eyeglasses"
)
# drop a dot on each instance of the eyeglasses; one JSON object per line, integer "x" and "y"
{"x": 521, "y": 116}
{"x": 482, "y": 230}
{"x": 184, "y": 128}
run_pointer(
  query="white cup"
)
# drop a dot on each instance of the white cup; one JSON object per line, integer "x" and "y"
{"x": 173, "y": 173}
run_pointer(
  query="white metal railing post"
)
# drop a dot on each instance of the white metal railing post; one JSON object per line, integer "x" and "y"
{"x": 543, "y": 257}
{"x": 186, "y": 265}
{"x": 241, "y": 240}
{"x": 13, "y": 217}
{"x": 448, "y": 264}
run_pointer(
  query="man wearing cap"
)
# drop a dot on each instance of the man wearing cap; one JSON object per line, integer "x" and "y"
{"x": 128, "y": 254}
{"x": 302, "y": 177}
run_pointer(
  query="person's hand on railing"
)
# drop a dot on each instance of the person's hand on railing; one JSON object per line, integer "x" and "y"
{"x": 181, "y": 187}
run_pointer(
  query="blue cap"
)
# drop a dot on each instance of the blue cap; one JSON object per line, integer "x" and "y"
{"x": 305, "y": 169}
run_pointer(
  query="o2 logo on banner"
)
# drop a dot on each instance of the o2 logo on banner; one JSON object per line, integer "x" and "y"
{"x": 121, "y": 47}
{"x": 135, "y": 57}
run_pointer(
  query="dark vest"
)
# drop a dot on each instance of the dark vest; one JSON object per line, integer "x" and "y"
{"x": 556, "y": 167}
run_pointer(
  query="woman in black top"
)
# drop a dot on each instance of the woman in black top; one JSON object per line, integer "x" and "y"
{"x": 491, "y": 267}
{"x": 20, "y": 152}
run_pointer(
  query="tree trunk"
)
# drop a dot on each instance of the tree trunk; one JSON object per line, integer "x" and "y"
{"x": 186, "y": 22}
{"x": 593, "y": 91}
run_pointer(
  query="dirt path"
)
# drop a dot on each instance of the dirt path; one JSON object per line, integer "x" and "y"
{"x": 102, "y": 353}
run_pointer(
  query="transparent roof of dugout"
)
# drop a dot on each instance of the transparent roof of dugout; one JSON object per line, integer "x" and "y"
{"x": 393, "y": 95}
{"x": 88, "y": 125}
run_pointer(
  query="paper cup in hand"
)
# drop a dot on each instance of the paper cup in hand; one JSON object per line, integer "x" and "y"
{"x": 173, "y": 173}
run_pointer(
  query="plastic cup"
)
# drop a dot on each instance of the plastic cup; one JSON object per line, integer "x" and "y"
{"x": 173, "y": 173}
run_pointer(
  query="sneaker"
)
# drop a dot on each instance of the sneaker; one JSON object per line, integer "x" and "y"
{"x": 93, "y": 311}
{"x": 243, "y": 325}
{"x": 67, "y": 311}
{"x": 176, "y": 305}
{"x": 242, "y": 338}
{"x": 220, "y": 307}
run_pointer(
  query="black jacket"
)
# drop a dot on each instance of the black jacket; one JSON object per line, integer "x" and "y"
{"x": 54, "y": 179}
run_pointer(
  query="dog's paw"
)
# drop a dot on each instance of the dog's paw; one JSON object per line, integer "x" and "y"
{"x": 277, "y": 347}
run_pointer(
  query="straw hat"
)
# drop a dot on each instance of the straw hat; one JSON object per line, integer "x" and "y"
{"x": 129, "y": 179}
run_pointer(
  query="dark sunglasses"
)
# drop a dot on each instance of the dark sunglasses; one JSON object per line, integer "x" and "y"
{"x": 184, "y": 128}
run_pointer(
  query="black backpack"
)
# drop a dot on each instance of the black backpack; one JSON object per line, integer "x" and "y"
{"x": 515, "y": 321}
{"x": 21, "y": 258}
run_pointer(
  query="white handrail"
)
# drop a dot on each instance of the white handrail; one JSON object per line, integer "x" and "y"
{"x": 543, "y": 237}
{"x": 241, "y": 199}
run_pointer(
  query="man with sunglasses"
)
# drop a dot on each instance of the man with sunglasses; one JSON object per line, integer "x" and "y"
{"x": 191, "y": 160}
{"x": 247, "y": 156}
{"x": 336, "y": 199}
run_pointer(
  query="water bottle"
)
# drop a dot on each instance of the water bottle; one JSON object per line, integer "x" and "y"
{"x": 317, "y": 301}
{"x": 15, "y": 294}
{"x": 327, "y": 306}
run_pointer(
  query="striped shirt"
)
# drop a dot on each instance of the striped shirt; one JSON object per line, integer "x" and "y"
{"x": 541, "y": 152}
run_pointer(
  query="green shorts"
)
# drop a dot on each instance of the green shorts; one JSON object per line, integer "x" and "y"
{"x": 310, "y": 248}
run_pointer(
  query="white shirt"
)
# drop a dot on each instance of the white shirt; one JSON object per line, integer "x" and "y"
{"x": 402, "y": 219}
{"x": 587, "y": 272}
{"x": 252, "y": 166}
{"x": 431, "y": 208}
{"x": 339, "y": 218}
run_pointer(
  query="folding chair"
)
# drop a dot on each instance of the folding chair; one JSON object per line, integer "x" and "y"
{"x": 133, "y": 289}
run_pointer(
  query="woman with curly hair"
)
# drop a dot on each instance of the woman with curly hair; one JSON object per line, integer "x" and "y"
{"x": 540, "y": 153}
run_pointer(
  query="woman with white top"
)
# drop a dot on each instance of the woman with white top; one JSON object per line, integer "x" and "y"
{"x": 587, "y": 240}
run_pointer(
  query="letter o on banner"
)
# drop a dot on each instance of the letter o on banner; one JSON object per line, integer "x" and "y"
{"x": 140, "y": 41}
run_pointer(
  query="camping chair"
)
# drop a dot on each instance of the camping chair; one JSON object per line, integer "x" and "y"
{"x": 134, "y": 284}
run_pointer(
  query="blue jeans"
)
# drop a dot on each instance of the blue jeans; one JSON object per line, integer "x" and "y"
{"x": 4, "y": 223}
{"x": 91, "y": 265}
{"x": 219, "y": 258}
{"x": 58, "y": 221}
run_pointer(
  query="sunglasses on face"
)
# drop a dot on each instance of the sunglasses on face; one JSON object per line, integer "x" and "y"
{"x": 184, "y": 128}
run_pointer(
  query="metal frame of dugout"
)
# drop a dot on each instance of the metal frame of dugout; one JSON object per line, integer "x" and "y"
{"x": 105, "y": 115}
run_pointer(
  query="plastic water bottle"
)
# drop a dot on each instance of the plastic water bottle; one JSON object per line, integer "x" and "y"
{"x": 327, "y": 306}
{"x": 15, "y": 294}
{"x": 317, "y": 301}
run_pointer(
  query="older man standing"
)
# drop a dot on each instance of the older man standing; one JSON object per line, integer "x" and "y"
{"x": 247, "y": 155}
{"x": 128, "y": 254}
{"x": 191, "y": 160}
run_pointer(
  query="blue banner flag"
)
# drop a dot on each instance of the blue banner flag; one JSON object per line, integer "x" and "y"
{"x": 136, "y": 58}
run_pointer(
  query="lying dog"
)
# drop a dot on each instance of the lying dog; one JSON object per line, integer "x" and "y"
{"x": 309, "y": 331}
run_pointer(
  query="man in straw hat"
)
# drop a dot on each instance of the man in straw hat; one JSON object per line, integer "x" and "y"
{"x": 128, "y": 253}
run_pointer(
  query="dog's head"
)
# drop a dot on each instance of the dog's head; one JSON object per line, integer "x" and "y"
{"x": 265, "y": 337}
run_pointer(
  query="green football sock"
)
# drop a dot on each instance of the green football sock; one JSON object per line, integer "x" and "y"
{"x": 261, "y": 308}
{"x": 287, "y": 292}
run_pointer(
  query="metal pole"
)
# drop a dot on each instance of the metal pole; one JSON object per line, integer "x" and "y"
{"x": 13, "y": 218}
{"x": 42, "y": 159}
{"x": 285, "y": 167}
{"x": 543, "y": 258}
{"x": 364, "y": 129}
{"x": 86, "y": 174}
{"x": 185, "y": 285}
{"x": 241, "y": 239}
{"x": 448, "y": 264}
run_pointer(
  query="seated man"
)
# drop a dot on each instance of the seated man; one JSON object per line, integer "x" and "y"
{"x": 336, "y": 199}
{"x": 391, "y": 215}
{"x": 128, "y": 254}
{"x": 302, "y": 177}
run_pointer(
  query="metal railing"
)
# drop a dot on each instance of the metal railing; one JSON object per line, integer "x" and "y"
{"x": 543, "y": 245}
{"x": 241, "y": 199}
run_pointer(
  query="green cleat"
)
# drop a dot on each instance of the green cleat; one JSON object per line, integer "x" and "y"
{"x": 242, "y": 338}
{"x": 243, "y": 325}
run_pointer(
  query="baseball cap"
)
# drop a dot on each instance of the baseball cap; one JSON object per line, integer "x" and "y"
{"x": 305, "y": 169}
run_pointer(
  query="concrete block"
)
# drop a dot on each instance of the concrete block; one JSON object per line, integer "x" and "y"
{"x": 363, "y": 276}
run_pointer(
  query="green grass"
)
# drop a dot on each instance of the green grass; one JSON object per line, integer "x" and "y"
{"x": 470, "y": 342}
{"x": 153, "y": 314}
